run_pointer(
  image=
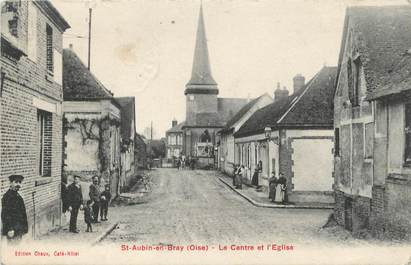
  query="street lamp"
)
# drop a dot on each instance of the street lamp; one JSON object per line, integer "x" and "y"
{"x": 267, "y": 132}
{"x": 268, "y": 135}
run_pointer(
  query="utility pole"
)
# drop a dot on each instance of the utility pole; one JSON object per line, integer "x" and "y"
{"x": 151, "y": 131}
{"x": 89, "y": 37}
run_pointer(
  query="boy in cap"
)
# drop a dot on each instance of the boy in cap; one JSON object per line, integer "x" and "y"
{"x": 105, "y": 200}
{"x": 13, "y": 213}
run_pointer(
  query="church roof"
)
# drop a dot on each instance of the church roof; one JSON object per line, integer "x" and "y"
{"x": 239, "y": 114}
{"x": 228, "y": 107}
{"x": 201, "y": 77}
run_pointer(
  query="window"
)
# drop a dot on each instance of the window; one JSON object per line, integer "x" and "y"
{"x": 354, "y": 81}
{"x": 44, "y": 130}
{"x": 49, "y": 53}
{"x": 368, "y": 140}
{"x": 350, "y": 81}
{"x": 357, "y": 81}
{"x": 407, "y": 129}
{"x": 337, "y": 142}
{"x": 3, "y": 75}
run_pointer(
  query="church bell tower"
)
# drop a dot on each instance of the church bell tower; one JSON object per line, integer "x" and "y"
{"x": 201, "y": 91}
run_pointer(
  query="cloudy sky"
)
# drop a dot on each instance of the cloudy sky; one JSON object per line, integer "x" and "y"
{"x": 144, "y": 48}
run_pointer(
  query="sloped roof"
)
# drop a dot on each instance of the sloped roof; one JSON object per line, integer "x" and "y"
{"x": 201, "y": 72}
{"x": 53, "y": 13}
{"x": 78, "y": 82}
{"x": 315, "y": 105}
{"x": 266, "y": 116}
{"x": 240, "y": 114}
{"x": 127, "y": 116}
{"x": 177, "y": 128}
{"x": 311, "y": 106}
{"x": 383, "y": 37}
{"x": 228, "y": 107}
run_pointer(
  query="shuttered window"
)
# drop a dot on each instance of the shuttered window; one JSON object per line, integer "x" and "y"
{"x": 49, "y": 47}
{"x": 407, "y": 131}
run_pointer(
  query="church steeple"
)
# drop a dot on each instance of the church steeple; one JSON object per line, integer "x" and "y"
{"x": 201, "y": 81}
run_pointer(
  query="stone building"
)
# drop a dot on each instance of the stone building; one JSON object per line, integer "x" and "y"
{"x": 128, "y": 137}
{"x": 205, "y": 112}
{"x": 92, "y": 119}
{"x": 293, "y": 135}
{"x": 226, "y": 146}
{"x": 174, "y": 138}
{"x": 372, "y": 119}
{"x": 30, "y": 112}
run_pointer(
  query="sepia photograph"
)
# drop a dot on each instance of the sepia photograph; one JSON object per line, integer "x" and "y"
{"x": 205, "y": 132}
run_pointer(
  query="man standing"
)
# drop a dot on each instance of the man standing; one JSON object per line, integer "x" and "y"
{"x": 13, "y": 213}
{"x": 272, "y": 184}
{"x": 94, "y": 193}
{"x": 74, "y": 202}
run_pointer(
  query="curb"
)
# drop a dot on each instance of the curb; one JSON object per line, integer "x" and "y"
{"x": 266, "y": 205}
{"x": 105, "y": 234}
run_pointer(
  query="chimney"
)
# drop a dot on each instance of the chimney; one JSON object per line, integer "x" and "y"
{"x": 298, "y": 82}
{"x": 173, "y": 123}
{"x": 280, "y": 93}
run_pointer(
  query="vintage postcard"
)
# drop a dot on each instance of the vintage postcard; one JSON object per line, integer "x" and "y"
{"x": 205, "y": 132}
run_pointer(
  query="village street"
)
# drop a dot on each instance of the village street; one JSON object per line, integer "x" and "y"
{"x": 196, "y": 207}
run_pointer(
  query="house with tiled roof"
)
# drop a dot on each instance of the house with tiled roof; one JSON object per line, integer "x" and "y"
{"x": 174, "y": 140}
{"x": 278, "y": 137}
{"x": 206, "y": 113}
{"x": 372, "y": 120}
{"x": 128, "y": 136}
{"x": 92, "y": 125}
{"x": 226, "y": 135}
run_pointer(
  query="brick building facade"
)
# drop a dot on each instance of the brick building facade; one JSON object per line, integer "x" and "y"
{"x": 372, "y": 174}
{"x": 30, "y": 115}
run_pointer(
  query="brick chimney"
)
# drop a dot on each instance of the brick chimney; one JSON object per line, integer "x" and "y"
{"x": 173, "y": 123}
{"x": 298, "y": 82}
{"x": 280, "y": 93}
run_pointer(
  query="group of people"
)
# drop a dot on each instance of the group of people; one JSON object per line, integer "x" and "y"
{"x": 72, "y": 197}
{"x": 238, "y": 176}
{"x": 14, "y": 216}
{"x": 278, "y": 188}
{"x": 184, "y": 162}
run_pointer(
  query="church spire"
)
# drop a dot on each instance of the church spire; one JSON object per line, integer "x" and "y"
{"x": 201, "y": 78}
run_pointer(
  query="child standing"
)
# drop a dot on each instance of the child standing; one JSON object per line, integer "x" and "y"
{"x": 88, "y": 216}
{"x": 105, "y": 200}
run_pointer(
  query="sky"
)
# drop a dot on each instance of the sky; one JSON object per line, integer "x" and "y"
{"x": 144, "y": 48}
